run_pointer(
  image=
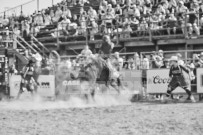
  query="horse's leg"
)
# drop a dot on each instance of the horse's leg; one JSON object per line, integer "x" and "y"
{"x": 116, "y": 88}
{"x": 92, "y": 93}
{"x": 115, "y": 85}
{"x": 20, "y": 90}
{"x": 31, "y": 87}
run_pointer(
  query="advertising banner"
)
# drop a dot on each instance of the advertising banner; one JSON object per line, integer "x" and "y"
{"x": 158, "y": 80}
{"x": 46, "y": 87}
{"x": 200, "y": 80}
{"x": 132, "y": 79}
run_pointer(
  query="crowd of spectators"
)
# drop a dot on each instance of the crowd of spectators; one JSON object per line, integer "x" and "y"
{"x": 157, "y": 60}
{"x": 132, "y": 17}
{"x": 111, "y": 16}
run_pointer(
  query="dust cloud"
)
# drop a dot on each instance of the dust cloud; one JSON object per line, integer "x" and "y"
{"x": 26, "y": 102}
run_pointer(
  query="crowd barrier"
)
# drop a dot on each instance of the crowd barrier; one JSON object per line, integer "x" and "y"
{"x": 46, "y": 87}
{"x": 200, "y": 80}
{"x": 132, "y": 79}
{"x": 157, "y": 82}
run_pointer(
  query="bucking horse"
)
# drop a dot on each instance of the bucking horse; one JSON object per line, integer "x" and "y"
{"x": 95, "y": 73}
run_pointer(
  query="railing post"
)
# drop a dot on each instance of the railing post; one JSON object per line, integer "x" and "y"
{"x": 57, "y": 38}
{"x": 141, "y": 60}
{"x": 198, "y": 21}
{"x": 185, "y": 26}
{"x": 31, "y": 41}
{"x": 117, "y": 31}
{"x": 86, "y": 32}
{"x": 186, "y": 52}
{"x": 149, "y": 29}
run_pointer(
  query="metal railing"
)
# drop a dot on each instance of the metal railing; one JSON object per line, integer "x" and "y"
{"x": 146, "y": 29}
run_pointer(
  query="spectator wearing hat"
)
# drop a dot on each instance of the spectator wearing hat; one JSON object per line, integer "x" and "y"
{"x": 172, "y": 6}
{"x": 136, "y": 11}
{"x": 118, "y": 11}
{"x": 101, "y": 13}
{"x": 178, "y": 79}
{"x": 137, "y": 61}
{"x": 144, "y": 67}
{"x": 66, "y": 12}
{"x": 192, "y": 21}
{"x": 180, "y": 61}
{"x": 21, "y": 17}
{"x": 200, "y": 60}
{"x": 108, "y": 22}
{"x": 171, "y": 23}
{"x": 143, "y": 26}
{"x": 26, "y": 30}
{"x": 65, "y": 23}
{"x": 165, "y": 64}
{"x": 156, "y": 61}
{"x": 52, "y": 15}
{"x": 82, "y": 21}
{"x": 134, "y": 23}
{"x": 191, "y": 68}
{"x": 47, "y": 19}
{"x": 92, "y": 14}
{"x": 93, "y": 29}
{"x": 131, "y": 64}
{"x": 110, "y": 10}
{"x": 58, "y": 14}
{"x": 161, "y": 54}
{"x": 181, "y": 11}
{"x": 126, "y": 28}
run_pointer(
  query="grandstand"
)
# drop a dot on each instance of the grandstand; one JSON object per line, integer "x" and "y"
{"x": 134, "y": 26}
{"x": 151, "y": 39}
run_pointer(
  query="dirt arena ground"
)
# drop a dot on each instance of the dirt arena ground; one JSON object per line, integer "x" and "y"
{"x": 117, "y": 118}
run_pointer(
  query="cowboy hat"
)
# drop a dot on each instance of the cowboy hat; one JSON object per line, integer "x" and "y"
{"x": 181, "y": 2}
{"x": 173, "y": 58}
{"x": 145, "y": 60}
{"x": 179, "y": 55}
{"x": 116, "y": 53}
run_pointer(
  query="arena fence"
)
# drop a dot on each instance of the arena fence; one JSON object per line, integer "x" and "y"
{"x": 156, "y": 83}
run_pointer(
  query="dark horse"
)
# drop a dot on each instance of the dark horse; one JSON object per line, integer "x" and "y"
{"x": 98, "y": 72}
